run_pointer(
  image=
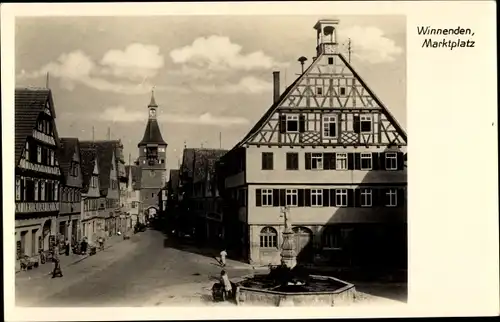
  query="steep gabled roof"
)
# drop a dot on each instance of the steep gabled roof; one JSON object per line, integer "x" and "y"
{"x": 67, "y": 148}
{"x": 29, "y": 103}
{"x": 187, "y": 162}
{"x": 202, "y": 157}
{"x": 173, "y": 181}
{"x": 87, "y": 158}
{"x": 136, "y": 176}
{"x": 104, "y": 150}
{"x": 270, "y": 112}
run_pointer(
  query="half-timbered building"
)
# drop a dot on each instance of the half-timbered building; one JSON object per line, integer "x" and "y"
{"x": 205, "y": 198}
{"x": 68, "y": 221}
{"x": 37, "y": 173}
{"x": 109, "y": 205}
{"x": 91, "y": 194}
{"x": 329, "y": 150}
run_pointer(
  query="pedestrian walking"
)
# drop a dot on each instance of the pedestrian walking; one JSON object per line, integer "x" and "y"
{"x": 66, "y": 247}
{"x": 84, "y": 245}
{"x": 101, "y": 243}
{"x": 57, "y": 272}
{"x": 226, "y": 284}
{"x": 223, "y": 255}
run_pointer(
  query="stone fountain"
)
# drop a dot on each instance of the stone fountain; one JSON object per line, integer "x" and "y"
{"x": 290, "y": 284}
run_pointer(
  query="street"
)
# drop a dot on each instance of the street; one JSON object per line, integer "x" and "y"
{"x": 142, "y": 272}
{"x": 135, "y": 272}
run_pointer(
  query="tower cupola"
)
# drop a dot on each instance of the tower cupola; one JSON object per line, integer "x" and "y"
{"x": 326, "y": 36}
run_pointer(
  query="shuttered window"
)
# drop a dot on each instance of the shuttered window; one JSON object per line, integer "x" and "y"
{"x": 366, "y": 161}
{"x": 292, "y": 197}
{"x": 292, "y": 161}
{"x": 316, "y": 197}
{"x": 317, "y": 161}
{"x": 391, "y": 197}
{"x": 267, "y": 161}
{"x": 391, "y": 161}
{"x": 366, "y": 197}
{"x": 341, "y": 161}
{"x": 341, "y": 197}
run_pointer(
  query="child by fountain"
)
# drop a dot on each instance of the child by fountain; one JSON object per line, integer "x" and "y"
{"x": 226, "y": 283}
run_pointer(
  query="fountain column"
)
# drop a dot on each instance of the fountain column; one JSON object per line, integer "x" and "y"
{"x": 288, "y": 256}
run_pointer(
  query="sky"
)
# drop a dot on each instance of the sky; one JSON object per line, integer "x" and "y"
{"x": 212, "y": 75}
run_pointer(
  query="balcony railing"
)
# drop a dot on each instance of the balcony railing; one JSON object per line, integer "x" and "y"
{"x": 39, "y": 167}
{"x": 43, "y": 137}
{"x": 25, "y": 207}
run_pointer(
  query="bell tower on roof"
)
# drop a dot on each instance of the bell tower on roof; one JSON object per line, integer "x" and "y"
{"x": 152, "y": 161}
{"x": 326, "y": 36}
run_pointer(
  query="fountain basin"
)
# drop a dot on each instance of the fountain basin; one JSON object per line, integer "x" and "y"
{"x": 319, "y": 291}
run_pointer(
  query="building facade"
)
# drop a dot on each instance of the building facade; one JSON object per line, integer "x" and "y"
{"x": 205, "y": 199}
{"x": 68, "y": 221}
{"x": 91, "y": 195}
{"x": 330, "y": 154}
{"x": 135, "y": 214}
{"x": 37, "y": 174}
{"x": 152, "y": 162}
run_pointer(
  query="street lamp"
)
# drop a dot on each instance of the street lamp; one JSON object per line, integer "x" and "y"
{"x": 288, "y": 256}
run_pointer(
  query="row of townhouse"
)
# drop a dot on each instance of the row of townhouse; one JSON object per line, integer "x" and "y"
{"x": 330, "y": 155}
{"x": 64, "y": 188}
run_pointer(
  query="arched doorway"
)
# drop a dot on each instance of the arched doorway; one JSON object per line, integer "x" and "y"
{"x": 303, "y": 244}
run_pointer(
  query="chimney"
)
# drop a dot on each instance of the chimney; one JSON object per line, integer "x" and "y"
{"x": 276, "y": 88}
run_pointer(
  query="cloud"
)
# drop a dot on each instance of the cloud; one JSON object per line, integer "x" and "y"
{"x": 137, "y": 61}
{"x": 131, "y": 68}
{"x": 119, "y": 114}
{"x": 219, "y": 53}
{"x": 370, "y": 44}
{"x": 247, "y": 85}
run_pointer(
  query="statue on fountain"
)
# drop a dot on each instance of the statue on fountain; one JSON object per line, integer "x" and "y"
{"x": 288, "y": 256}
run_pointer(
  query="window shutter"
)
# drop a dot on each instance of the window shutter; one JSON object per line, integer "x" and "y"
{"x": 350, "y": 197}
{"x": 357, "y": 197}
{"x": 300, "y": 196}
{"x": 326, "y": 197}
{"x": 307, "y": 197}
{"x": 357, "y": 161}
{"x": 401, "y": 160}
{"x": 282, "y": 123}
{"x": 308, "y": 161}
{"x": 333, "y": 165}
{"x": 327, "y": 161}
{"x": 350, "y": 161}
{"x": 382, "y": 161}
{"x": 356, "y": 124}
{"x": 400, "y": 197}
{"x": 276, "y": 197}
{"x": 296, "y": 161}
{"x": 302, "y": 123}
{"x": 375, "y": 197}
{"x": 332, "y": 198}
{"x": 258, "y": 197}
{"x": 282, "y": 197}
{"x": 382, "y": 197}
{"x": 288, "y": 161}
{"x": 270, "y": 161}
{"x": 375, "y": 161}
